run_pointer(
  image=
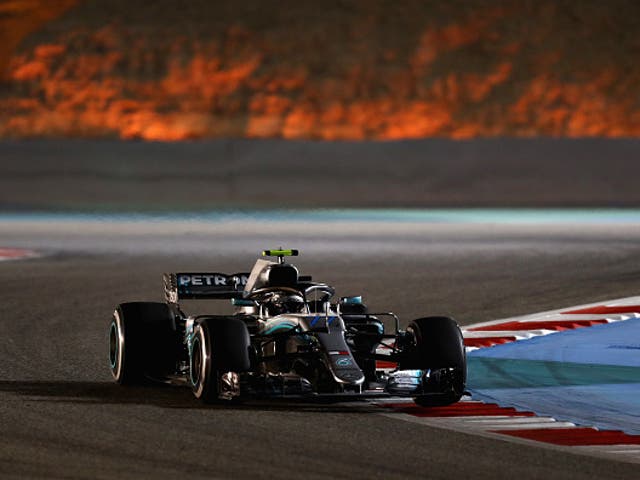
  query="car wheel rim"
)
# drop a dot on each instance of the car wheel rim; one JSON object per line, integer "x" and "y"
{"x": 116, "y": 346}
{"x": 199, "y": 363}
{"x": 113, "y": 345}
{"x": 195, "y": 368}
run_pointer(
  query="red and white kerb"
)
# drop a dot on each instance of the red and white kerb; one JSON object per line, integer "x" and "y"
{"x": 16, "y": 253}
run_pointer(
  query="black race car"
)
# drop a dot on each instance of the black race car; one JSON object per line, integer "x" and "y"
{"x": 287, "y": 337}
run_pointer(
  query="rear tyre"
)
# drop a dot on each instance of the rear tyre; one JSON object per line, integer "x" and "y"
{"x": 142, "y": 342}
{"x": 219, "y": 352}
{"x": 438, "y": 344}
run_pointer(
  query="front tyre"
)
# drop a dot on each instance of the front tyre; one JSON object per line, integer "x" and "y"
{"x": 218, "y": 353}
{"x": 438, "y": 346}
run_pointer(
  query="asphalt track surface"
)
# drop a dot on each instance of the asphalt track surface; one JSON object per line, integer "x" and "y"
{"x": 61, "y": 416}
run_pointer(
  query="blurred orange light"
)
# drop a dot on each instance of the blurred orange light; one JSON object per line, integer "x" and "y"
{"x": 111, "y": 82}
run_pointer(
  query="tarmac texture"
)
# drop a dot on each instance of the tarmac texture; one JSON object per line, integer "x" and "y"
{"x": 63, "y": 417}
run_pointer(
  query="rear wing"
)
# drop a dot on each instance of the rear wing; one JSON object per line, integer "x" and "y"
{"x": 185, "y": 286}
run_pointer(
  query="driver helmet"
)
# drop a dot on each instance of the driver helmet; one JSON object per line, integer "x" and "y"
{"x": 280, "y": 304}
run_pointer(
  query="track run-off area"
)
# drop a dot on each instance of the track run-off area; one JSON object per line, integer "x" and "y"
{"x": 529, "y": 378}
{"x": 579, "y": 364}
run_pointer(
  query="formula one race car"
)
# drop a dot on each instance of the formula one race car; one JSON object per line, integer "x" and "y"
{"x": 286, "y": 338}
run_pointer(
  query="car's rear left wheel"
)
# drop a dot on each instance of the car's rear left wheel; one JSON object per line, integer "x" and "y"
{"x": 142, "y": 342}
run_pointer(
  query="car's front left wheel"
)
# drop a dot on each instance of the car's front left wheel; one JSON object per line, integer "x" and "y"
{"x": 218, "y": 354}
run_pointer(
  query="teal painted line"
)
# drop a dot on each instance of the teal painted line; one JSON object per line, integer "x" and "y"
{"x": 465, "y": 215}
{"x": 499, "y": 373}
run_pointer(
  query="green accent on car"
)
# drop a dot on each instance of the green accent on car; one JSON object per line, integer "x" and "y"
{"x": 280, "y": 253}
{"x": 281, "y": 326}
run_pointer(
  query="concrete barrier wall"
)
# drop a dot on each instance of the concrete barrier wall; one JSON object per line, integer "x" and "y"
{"x": 107, "y": 175}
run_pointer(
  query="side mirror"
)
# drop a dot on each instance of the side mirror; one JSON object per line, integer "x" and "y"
{"x": 355, "y": 300}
